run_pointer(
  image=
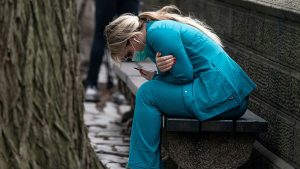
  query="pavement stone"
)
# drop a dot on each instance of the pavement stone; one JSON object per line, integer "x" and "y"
{"x": 105, "y": 129}
{"x": 107, "y": 158}
{"x": 106, "y": 135}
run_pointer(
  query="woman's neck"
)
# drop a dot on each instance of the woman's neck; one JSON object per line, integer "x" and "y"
{"x": 144, "y": 32}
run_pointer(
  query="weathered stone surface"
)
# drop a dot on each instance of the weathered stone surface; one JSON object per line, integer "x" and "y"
{"x": 130, "y": 76}
{"x": 247, "y": 29}
{"x": 124, "y": 69}
{"x": 286, "y": 4}
{"x": 122, "y": 148}
{"x": 258, "y": 161}
{"x": 134, "y": 82}
{"x": 212, "y": 14}
{"x": 280, "y": 136}
{"x": 276, "y": 85}
{"x": 206, "y": 151}
{"x": 297, "y": 144}
{"x": 274, "y": 37}
{"x": 107, "y": 158}
{"x": 281, "y": 42}
{"x": 114, "y": 166}
{"x": 106, "y": 134}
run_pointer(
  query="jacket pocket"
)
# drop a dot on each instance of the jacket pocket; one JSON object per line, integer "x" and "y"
{"x": 215, "y": 90}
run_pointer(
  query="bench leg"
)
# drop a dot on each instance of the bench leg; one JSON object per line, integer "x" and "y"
{"x": 208, "y": 150}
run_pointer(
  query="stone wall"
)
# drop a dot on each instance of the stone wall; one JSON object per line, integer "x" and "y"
{"x": 263, "y": 36}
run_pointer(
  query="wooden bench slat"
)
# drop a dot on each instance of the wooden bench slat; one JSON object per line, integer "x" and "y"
{"x": 126, "y": 70}
{"x": 182, "y": 125}
{"x": 217, "y": 126}
{"x": 134, "y": 82}
{"x": 249, "y": 122}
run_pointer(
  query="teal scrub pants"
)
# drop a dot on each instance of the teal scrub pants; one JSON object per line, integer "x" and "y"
{"x": 152, "y": 98}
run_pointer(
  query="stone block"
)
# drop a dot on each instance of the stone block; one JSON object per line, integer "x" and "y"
{"x": 257, "y": 160}
{"x": 247, "y": 29}
{"x": 134, "y": 82}
{"x": 280, "y": 136}
{"x": 206, "y": 151}
{"x": 281, "y": 42}
{"x": 211, "y": 13}
{"x": 274, "y": 38}
{"x": 277, "y": 85}
{"x": 125, "y": 70}
{"x": 297, "y": 145}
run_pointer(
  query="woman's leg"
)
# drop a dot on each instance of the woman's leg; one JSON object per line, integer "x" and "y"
{"x": 152, "y": 98}
{"x": 105, "y": 11}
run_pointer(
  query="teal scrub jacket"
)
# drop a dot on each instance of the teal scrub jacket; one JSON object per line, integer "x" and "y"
{"x": 212, "y": 82}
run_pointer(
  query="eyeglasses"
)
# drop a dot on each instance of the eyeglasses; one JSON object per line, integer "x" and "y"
{"x": 126, "y": 57}
{"x": 129, "y": 54}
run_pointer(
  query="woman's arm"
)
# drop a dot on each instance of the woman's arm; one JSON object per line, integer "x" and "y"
{"x": 167, "y": 41}
{"x": 164, "y": 64}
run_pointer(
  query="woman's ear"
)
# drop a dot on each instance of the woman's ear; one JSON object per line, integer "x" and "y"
{"x": 134, "y": 38}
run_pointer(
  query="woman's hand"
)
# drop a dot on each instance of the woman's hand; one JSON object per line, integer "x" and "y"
{"x": 147, "y": 74}
{"x": 165, "y": 63}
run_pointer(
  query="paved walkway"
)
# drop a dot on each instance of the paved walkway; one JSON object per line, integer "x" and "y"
{"x": 107, "y": 133}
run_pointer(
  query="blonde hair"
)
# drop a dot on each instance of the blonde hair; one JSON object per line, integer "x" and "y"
{"x": 119, "y": 31}
{"x": 126, "y": 26}
{"x": 173, "y": 13}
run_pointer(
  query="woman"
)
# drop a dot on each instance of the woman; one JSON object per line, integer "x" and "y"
{"x": 196, "y": 77}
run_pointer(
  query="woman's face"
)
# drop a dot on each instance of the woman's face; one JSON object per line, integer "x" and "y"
{"x": 138, "y": 42}
{"x": 129, "y": 51}
{"x": 134, "y": 44}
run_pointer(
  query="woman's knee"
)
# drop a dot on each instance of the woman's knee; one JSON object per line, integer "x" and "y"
{"x": 145, "y": 89}
{"x": 146, "y": 92}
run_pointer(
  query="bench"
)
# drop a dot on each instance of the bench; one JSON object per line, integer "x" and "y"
{"x": 194, "y": 144}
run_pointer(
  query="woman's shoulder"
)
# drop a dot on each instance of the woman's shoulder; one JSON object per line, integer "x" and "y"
{"x": 162, "y": 25}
